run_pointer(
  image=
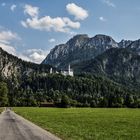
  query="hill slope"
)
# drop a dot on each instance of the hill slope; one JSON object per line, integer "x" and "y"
{"x": 120, "y": 65}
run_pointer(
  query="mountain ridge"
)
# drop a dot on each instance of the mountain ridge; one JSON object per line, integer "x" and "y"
{"x": 81, "y": 48}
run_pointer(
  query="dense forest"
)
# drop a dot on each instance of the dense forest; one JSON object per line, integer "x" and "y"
{"x": 65, "y": 91}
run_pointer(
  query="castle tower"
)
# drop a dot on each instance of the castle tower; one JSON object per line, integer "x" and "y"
{"x": 51, "y": 71}
{"x": 69, "y": 69}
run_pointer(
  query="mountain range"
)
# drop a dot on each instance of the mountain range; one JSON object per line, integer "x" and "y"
{"x": 81, "y": 48}
{"x": 100, "y": 55}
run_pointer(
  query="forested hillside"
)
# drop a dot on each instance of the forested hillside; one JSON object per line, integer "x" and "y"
{"x": 82, "y": 91}
{"x": 28, "y": 84}
{"x": 118, "y": 64}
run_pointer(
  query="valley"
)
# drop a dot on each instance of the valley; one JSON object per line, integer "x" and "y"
{"x": 70, "y": 70}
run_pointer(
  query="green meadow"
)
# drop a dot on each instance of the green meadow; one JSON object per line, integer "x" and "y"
{"x": 86, "y": 123}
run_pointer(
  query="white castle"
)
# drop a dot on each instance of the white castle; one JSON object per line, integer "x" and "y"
{"x": 68, "y": 72}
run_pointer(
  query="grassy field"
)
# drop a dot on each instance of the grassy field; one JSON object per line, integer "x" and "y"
{"x": 86, "y": 123}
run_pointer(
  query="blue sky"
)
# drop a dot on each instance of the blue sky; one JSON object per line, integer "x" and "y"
{"x": 30, "y": 28}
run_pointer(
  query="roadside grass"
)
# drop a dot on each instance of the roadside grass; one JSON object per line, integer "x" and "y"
{"x": 86, "y": 123}
{"x": 1, "y": 109}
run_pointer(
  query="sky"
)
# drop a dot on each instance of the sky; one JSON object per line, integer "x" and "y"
{"x": 29, "y": 29}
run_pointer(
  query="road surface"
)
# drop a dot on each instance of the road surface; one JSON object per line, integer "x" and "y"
{"x": 14, "y": 127}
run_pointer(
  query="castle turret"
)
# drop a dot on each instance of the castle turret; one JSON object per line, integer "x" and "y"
{"x": 69, "y": 68}
{"x": 70, "y": 71}
{"x": 50, "y": 70}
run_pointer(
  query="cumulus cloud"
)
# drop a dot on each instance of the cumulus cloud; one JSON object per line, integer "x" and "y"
{"x": 31, "y": 11}
{"x": 6, "y": 38}
{"x": 34, "y": 55}
{"x": 51, "y": 40}
{"x": 8, "y": 48}
{"x": 78, "y": 12}
{"x": 102, "y": 19}
{"x": 13, "y": 7}
{"x": 109, "y": 3}
{"x": 48, "y": 23}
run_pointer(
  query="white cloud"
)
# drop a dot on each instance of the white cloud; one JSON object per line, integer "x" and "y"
{"x": 102, "y": 19}
{"x": 34, "y": 55}
{"x": 78, "y": 12}
{"x": 23, "y": 57}
{"x": 6, "y": 37}
{"x": 8, "y": 48}
{"x": 109, "y": 3}
{"x": 3, "y": 4}
{"x": 52, "y": 40}
{"x": 31, "y": 11}
{"x": 47, "y": 23}
{"x": 13, "y": 7}
{"x": 70, "y": 23}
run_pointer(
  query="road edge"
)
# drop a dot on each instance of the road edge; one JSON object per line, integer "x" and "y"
{"x": 51, "y": 135}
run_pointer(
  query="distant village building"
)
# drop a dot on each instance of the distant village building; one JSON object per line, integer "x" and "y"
{"x": 68, "y": 72}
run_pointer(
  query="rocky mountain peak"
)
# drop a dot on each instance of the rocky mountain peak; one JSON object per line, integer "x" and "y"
{"x": 78, "y": 40}
{"x": 79, "y": 48}
{"x": 103, "y": 37}
{"x": 83, "y": 48}
{"x": 102, "y": 42}
{"x": 124, "y": 43}
{"x": 135, "y": 46}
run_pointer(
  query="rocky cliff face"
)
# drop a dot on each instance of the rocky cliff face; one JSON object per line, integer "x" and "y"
{"x": 125, "y": 43}
{"x": 135, "y": 46}
{"x": 78, "y": 49}
{"x": 13, "y": 68}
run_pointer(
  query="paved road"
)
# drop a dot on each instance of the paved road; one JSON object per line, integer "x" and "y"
{"x": 14, "y": 127}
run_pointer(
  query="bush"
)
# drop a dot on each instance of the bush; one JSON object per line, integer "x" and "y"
{"x": 65, "y": 102}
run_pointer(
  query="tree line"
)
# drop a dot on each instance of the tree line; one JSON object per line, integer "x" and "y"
{"x": 79, "y": 91}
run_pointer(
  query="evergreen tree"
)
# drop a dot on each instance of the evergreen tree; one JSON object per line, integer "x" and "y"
{"x": 3, "y": 94}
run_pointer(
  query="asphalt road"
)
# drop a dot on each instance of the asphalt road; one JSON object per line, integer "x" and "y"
{"x": 14, "y": 127}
